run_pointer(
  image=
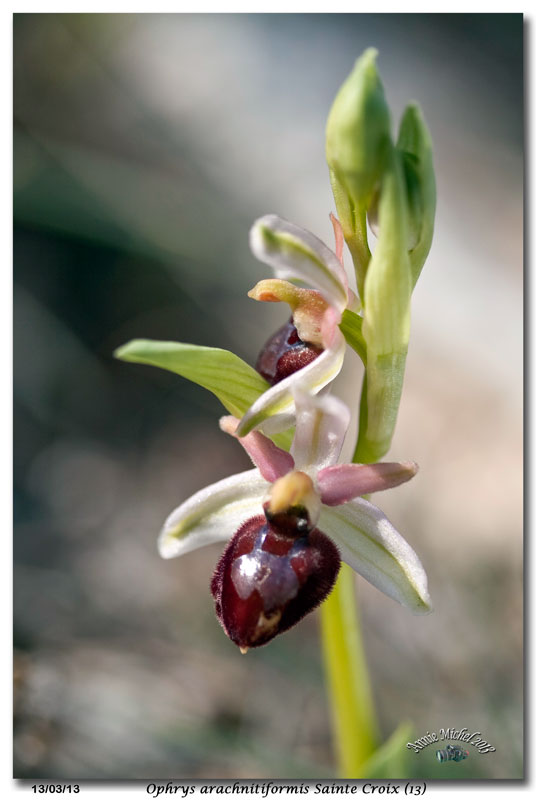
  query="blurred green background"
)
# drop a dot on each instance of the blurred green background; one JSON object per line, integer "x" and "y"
{"x": 144, "y": 148}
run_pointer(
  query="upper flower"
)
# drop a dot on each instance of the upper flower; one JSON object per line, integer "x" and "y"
{"x": 289, "y": 496}
{"x": 314, "y": 347}
{"x": 297, "y": 255}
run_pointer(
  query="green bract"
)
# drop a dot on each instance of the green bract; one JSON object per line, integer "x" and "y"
{"x": 235, "y": 383}
{"x": 415, "y": 144}
{"x": 386, "y": 323}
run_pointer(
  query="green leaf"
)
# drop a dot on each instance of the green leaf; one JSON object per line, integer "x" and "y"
{"x": 415, "y": 144}
{"x": 390, "y": 760}
{"x": 352, "y": 327}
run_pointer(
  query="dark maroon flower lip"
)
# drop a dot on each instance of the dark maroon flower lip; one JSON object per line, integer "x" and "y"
{"x": 284, "y": 354}
{"x": 269, "y": 577}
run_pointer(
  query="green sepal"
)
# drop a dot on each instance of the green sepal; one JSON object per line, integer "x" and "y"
{"x": 235, "y": 383}
{"x": 351, "y": 326}
{"x": 358, "y": 139}
{"x": 415, "y": 144}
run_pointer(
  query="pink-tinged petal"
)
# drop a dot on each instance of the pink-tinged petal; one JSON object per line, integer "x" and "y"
{"x": 213, "y": 514}
{"x": 330, "y": 326}
{"x": 339, "y": 237}
{"x": 271, "y": 461}
{"x": 353, "y": 302}
{"x": 296, "y": 254}
{"x": 275, "y": 410}
{"x": 370, "y": 544}
{"x": 321, "y": 425}
{"x": 342, "y": 482}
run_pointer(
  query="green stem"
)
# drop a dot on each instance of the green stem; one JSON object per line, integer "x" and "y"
{"x": 352, "y": 703}
{"x": 354, "y": 718}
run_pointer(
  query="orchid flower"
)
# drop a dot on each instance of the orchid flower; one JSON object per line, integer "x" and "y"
{"x": 290, "y": 521}
{"x": 309, "y": 350}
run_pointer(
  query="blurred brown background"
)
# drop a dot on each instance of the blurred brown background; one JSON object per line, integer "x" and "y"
{"x": 144, "y": 148}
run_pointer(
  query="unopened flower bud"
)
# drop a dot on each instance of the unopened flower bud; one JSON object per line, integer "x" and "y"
{"x": 357, "y": 142}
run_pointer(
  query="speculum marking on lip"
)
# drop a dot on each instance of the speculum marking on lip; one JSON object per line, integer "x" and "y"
{"x": 271, "y": 575}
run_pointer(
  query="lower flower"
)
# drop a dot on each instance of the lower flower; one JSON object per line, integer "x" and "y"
{"x": 290, "y": 521}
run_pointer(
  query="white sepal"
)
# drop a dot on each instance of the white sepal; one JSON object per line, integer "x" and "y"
{"x": 369, "y": 543}
{"x": 296, "y": 254}
{"x": 213, "y": 514}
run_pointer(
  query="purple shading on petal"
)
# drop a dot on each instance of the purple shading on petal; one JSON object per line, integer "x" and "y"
{"x": 271, "y": 461}
{"x": 342, "y": 482}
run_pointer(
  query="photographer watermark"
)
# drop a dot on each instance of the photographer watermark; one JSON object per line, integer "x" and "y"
{"x": 452, "y": 752}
